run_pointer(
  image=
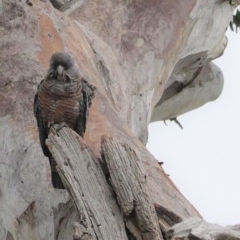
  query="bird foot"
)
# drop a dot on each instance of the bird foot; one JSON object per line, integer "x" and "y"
{"x": 58, "y": 127}
{"x": 61, "y": 125}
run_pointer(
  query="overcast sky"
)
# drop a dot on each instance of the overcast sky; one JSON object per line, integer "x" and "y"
{"x": 203, "y": 159}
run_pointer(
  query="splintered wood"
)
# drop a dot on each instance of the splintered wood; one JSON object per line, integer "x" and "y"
{"x": 83, "y": 178}
{"x": 197, "y": 228}
{"x": 129, "y": 183}
{"x": 94, "y": 195}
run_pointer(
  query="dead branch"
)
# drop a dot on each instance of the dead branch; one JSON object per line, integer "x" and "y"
{"x": 82, "y": 176}
{"x": 129, "y": 183}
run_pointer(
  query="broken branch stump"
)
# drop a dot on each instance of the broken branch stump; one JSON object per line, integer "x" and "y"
{"x": 82, "y": 176}
{"x": 197, "y": 228}
{"x": 129, "y": 183}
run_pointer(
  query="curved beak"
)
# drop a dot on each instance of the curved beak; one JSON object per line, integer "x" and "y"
{"x": 60, "y": 70}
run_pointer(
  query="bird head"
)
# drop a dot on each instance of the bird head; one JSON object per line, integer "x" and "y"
{"x": 62, "y": 68}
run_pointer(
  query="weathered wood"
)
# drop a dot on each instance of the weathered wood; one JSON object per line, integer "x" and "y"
{"x": 81, "y": 173}
{"x": 197, "y": 228}
{"x": 166, "y": 218}
{"x": 80, "y": 232}
{"x": 129, "y": 183}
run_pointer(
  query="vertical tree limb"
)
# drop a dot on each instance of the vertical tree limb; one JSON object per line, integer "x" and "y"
{"x": 129, "y": 183}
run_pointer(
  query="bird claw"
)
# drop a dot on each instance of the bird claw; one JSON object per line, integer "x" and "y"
{"x": 59, "y": 126}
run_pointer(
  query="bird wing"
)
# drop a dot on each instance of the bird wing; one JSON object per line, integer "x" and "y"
{"x": 42, "y": 126}
{"x": 84, "y": 105}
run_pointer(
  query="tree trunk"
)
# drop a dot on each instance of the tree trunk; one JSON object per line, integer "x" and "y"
{"x": 131, "y": 51}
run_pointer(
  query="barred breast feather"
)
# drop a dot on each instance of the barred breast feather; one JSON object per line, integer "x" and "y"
{"x": 60, "y": 102}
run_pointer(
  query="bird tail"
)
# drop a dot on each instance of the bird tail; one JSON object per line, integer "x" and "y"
{"x": 56, "y": 180}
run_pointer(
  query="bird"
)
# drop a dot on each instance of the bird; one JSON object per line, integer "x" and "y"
{"x": 62, "y": 97}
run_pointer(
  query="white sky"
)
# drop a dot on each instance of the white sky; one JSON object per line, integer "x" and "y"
{"x": 203, "y": 159}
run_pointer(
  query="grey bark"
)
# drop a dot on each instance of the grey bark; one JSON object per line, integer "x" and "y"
{"x": 129, "y": 183}
{"x": 94, "y": 195}
{"x": 80, "y": 171}
{"x": 85, "y": 181}
{"x": 135, "y": 71}
{"x": 198, "y": 229}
